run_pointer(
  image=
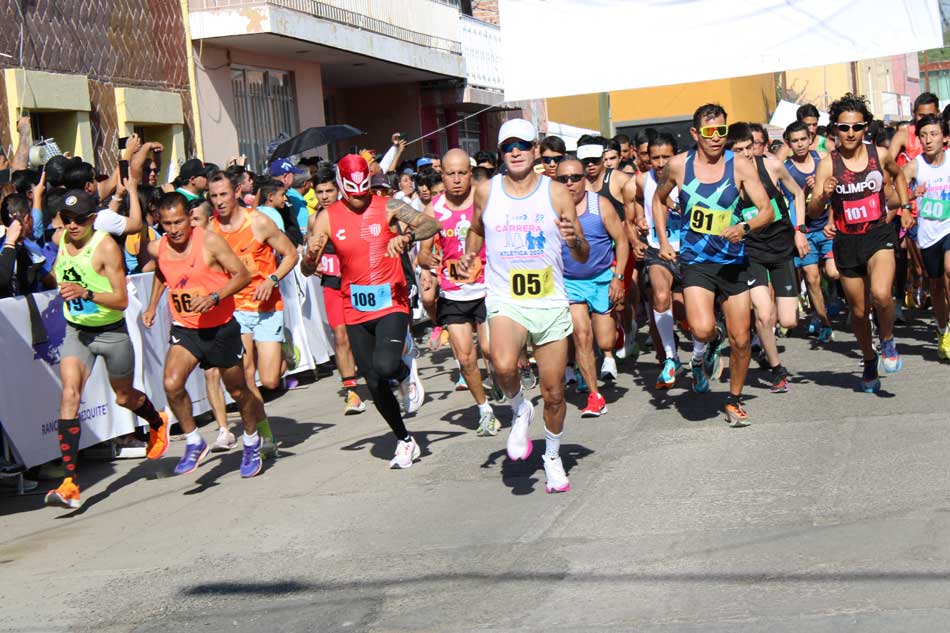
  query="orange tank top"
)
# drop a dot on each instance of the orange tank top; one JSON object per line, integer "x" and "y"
{"x": 260, "y": 261}
{"x": 191, "y": 277}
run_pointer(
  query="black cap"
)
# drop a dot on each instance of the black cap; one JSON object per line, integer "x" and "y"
{"x": 379, "y": 181}
{"x": 192, "y": 168}
{"x": 78, "y": 202}
{"x": 211, "y": 169}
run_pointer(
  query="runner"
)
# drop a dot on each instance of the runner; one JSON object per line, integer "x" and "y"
{"x": 931, "y": 170}
{"x": 362, "y": 229}
{"x": 191, "y": 262}
{"x": 258, "y": 307}
{"x": 90, "y": 273}
{"x": 594, "y": 287}
{"x": 808, "y": 115}
{"x": 643, "y": 149}
{"x": 461, "y": 303}
{"x": 522, "y": 226}
{"x": 324, "y": 184}
{"x": 553, "y": 152}
{"x": 852, "y": 180}
{"x": 712, "y": 248}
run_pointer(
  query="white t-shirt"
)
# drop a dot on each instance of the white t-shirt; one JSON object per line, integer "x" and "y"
{"x": 111, "y": 222}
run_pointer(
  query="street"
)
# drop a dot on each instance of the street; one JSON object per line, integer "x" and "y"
{"x": 830, "y": 513}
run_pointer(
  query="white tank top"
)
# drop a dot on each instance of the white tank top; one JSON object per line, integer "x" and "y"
{"x": 933, "y": 208}
{"x": 673, "y": 220}
{"x": 523, "y": 248}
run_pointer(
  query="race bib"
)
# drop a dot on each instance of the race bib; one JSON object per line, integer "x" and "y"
{"x": 931, "y": 209}
{"x": 450, "y": 268}
{"x": 751, "y": 212}
{"x": 371, "y": 298}
{"x": 709, "y": 221}
{"x": 248, "y": 260}
{"x": 330, "y": 264}
{"x": 864, "y": 210}
{"x": 674, "y": 222}
{"x": 182, "y": 299}
{"x": 531, "y": 283}
{"x": 79, "y": 307}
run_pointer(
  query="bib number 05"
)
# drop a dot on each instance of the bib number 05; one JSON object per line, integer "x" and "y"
{"x": 709, "y": 221}
{"x": 531, "y": 283}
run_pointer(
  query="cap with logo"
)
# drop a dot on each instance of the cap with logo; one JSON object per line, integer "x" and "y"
{"x": 282, "y": 166}
{"x": 79, "y": 203}
{"x": 520, "y": 129}
{"x": 592, "y": 150}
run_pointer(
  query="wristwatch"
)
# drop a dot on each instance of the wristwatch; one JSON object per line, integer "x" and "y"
{"x": 907, "y": 206}
{"x": 275, "y": 280}
{"x": 618, "y": 276}
{"x": 746, "y": 229}
{"x": 89, "y": 295}
{"x": 215, "y": 297}
{"x": 801, "y": 228}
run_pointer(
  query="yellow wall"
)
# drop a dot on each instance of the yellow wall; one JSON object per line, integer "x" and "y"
{"x": 65, "y": 95}
{"x": 818, "y": 86}
{"x": 579, "y": 111}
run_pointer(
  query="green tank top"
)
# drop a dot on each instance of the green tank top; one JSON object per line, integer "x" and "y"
{"x": 78, "y": 269}
{"x": 823, "y": 144}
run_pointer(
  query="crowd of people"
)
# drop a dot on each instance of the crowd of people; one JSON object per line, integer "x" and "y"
{"x": 534, "y": 259}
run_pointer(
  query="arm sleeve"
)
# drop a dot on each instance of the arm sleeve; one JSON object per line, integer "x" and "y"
{"x": 111, "y": 222}
{"x": 386, "y": 163}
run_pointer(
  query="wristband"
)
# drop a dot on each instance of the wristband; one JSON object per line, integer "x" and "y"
{"x": 412, "y": 236}
{"x": 907, "y": 206}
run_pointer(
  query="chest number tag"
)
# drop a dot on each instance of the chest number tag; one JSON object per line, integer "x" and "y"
{"x": 751, "y": 212}
{"x": 181, "y": 299}
{"x": 931, "y": 209}
{"x": 709, "y": 221}
{"x": 371, "y": 298}
{"x": 864, "y": 210}
{"x": 531, "y": 283}
{"x": 77, "y": 307}
{"x": 450, "y": 268}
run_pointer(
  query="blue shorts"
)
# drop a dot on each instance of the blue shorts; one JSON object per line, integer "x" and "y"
{"x": 267, "y": 327}
{"x": 595, "y": 292}
{"x": 819, "y": 249}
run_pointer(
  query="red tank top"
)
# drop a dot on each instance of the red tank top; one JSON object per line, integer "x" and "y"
{"x": 373, "y": 284}
{"x": 912, "y": 149}
{"x": 260, "y": 261}
{"x": 190, "y": 277}
{"x": 858, "y": 202}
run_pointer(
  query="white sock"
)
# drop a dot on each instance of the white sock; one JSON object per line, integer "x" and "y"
{"x": 485, "y": 408}
{"x": 699, "y": 348}
{"x": 517, "y": 401}
{"x": 664, "y": 323}
{"x": 552, "y": 443}
{"x": 250, "y": 440}
{"x": 193, "y": 438}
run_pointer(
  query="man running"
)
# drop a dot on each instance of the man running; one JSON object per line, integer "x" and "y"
{"x": 553, "y": 152}
{"x": 461, "y": 302}
{"x": 363, "y": 230}
{"x": 593, "y": 287}
{"x": 852, "y": 180}
{"x": 712, "y": 246}
{"x": 807, "y": 115}
{"x": 90, "y": 272}
{"x": 522, "y": 218}
{"x": 258, "y": 307}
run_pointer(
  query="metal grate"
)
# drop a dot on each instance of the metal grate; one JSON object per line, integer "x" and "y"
{"x": 265, "y": 106}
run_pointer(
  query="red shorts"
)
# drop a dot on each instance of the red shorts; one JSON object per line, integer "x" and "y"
{"x": 333, "y": 305}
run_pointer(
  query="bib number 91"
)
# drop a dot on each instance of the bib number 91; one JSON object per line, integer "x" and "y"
{"x": 709, "y": 221}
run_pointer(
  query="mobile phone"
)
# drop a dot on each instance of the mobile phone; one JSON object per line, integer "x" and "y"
{"x": 123, "y": 169}
{"x": 157, "y": 157}
{"x": 122, "y": 141}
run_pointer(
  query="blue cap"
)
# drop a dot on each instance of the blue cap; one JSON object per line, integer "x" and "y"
{"x": 283, "y": 166}
{"x": 422, "y": 162}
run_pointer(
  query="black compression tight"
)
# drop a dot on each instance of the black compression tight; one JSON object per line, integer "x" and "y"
{"x": 377, "y": 349}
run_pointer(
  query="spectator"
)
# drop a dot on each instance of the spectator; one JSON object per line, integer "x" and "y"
{"x": 152, "y": 169}
{"x": 429, "y": 185}
{"x": 284, "y": 171}
{"x": 480, "y": 174}
{"x": 407, "y": 187}
{"x": 23, "y": 266}
{"x": 488, "y": 160}
{"x": 192, "y": 180}
{"x": 137, "y": 258}
{"x": 380, "y": 186}
{"x": 272, "y": 196}
{"x": 303, "y": 185}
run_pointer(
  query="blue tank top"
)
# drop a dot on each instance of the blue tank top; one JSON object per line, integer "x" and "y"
{"x": 601, "y": 244}
{"x": 812, "y": 224}
{"x": 711, "y": 201}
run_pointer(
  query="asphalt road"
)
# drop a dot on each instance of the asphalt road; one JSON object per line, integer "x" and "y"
{"x": 830, "y": 513}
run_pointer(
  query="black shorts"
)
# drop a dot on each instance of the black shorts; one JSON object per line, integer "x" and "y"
{"x": 451, "y": 312}
{"x": 651, "y": 257}
{"x": 781, "y": 275}
{"x": 852, "y": 252}
{"x": 726, "y": 280}
{"x": 933, "y": 257}
{"x": 219, "y": 346}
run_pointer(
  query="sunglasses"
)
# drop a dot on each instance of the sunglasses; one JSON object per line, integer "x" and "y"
{"x": 524, "y": 146}
{"x": 857, "y": 127}
{"x": 152, "y": 170}
{"x": 74, "y": 219}
{"x": 553, "y": 159}
{"x": 566, "y": 178}
{"x": 587, "y": 162}
{"x": 712, "y": 131}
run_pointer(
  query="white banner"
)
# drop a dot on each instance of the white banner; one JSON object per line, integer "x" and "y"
{"x": 30, "y": 387}
{"x": 698, "y": 41}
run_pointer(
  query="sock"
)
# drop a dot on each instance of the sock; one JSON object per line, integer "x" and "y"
{"x": 552, "y": 443}
{"x": 251, "y": 440}
{"x": 263, "y": 427}
{"x": 664, "y": 324}
{"x": 349, "y": 383}
{"x": 485, "y": 408}
{"x": 193, "y": 438}
{"x": 699, "y": 348}
{"x": 733, "y": 399}
{"x": 517, "y": 401}
{"x": 69, "y": 432}
{"x": 148, "y": 413}
{"x": 408, "y": 438}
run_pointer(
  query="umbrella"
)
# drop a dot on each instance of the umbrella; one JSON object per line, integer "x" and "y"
{"x": 312, "y": 138}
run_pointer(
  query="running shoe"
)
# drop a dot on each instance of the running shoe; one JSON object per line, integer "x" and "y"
{"x": 224, "y": 442}
{"x": 781, "y": 331}
{"x": 890, "y": 358}
{"x": 413, "y": 393}
{"x": 354, "y": 406}
{"x": 529, "y": 380}
{"x": 870, "y": 380}
{"x": 762, "y": 359}
{"x": 667, "y": 377}
{"x": 608, "y": 370}
{"x": 460, "y": 384}
{"x": 596, "y": 406}
{"x": 488, "y": 424}
{"x": 406, "y": 454}
{"x": 435, "y": 338}
{"x": 581, "y": 384}
{"x": 779, "y": 380}
{"x": 519, "y": 446}
{"x": 826, "y": 334}
{"x": 834, "y": 308}
{"x": 711, "y": 362}
{"x": 194, "y": 453}
{"x": 444, "y": 338}
{"x": 268, "y": 447}
{"x": 158, "y": 440}
{"x": 898, "y": 314}
{"x": 813, "y": 326}
{"x": 555, "y": 475}
{"x": 736, "y": 417}
{"x": 569, "y": 376}
{"x": 943, "y": 345}
{"x": 251, "y": 462}
{"x": 66, "y": 496}
{"x": 700, "y": 381}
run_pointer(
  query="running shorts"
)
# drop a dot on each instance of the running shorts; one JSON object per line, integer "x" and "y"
{"x": 933, "y": 257}
{"x": 595, "y": 292}
{"x": 652, "y": 258}
{"x": 267, "y": 327}
{"x": 819, "y": 249}
{"x": 452, "y": 312}
{"x": 781, "y": 275}
{"x": 852, "y": 252}
{"x": 333, "y": 306}
{"x": 726, "y": 280}
{"x": 111, "y": 343}
{"x": 544, "y": 325}
{"x": 218, "y": 346}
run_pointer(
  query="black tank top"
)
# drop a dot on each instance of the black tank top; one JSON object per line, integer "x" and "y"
{"x": 776, "y": 242}
{"x": 605, "y": 192}
{"x": 858, "y": 201}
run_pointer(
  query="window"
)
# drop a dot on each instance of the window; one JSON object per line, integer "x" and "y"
{"x": 265, "y": 107}
{"x": 470, "y": 134}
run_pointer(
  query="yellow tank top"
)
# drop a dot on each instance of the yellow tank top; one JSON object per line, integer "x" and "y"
{"x": 78, "y": 269}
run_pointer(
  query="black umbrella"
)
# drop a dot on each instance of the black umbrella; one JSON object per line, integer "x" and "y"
{"x": 312, "y": 138}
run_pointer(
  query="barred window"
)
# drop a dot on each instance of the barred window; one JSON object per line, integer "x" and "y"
{"x": 265, "y": 107}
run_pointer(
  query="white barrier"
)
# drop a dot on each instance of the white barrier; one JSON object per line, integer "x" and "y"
{"x": 30, "y": 386}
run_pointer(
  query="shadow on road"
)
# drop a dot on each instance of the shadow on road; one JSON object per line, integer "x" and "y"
{"x": 521, "y": 476}
{"x": 384, "y": 446}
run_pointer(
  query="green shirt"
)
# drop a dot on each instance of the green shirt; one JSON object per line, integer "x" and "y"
{"x": 78, "y": 269}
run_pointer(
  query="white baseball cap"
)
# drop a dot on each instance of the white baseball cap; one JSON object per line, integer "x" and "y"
{"x": 517, "y": 128}
{"x": 591, "y": 150}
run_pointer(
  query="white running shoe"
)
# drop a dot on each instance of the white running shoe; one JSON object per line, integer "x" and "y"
{"x": 224, "y": 442}
{"x": 412, "y": 390}
{"x": 406, "y": 453}
{"x": 608, "y": 370}
{"x": 555, "y": 475}
{"x": 488, "y": 424}
{"x": 519, "y": 445}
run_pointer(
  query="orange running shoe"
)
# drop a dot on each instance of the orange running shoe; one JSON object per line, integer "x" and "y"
{"x": 158, "y": 440}
{"x": 66, "y": 496}
{"x": 736, "y": 417}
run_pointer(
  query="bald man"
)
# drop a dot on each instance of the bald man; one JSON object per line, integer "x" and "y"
{"x": 461, "y": 302}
